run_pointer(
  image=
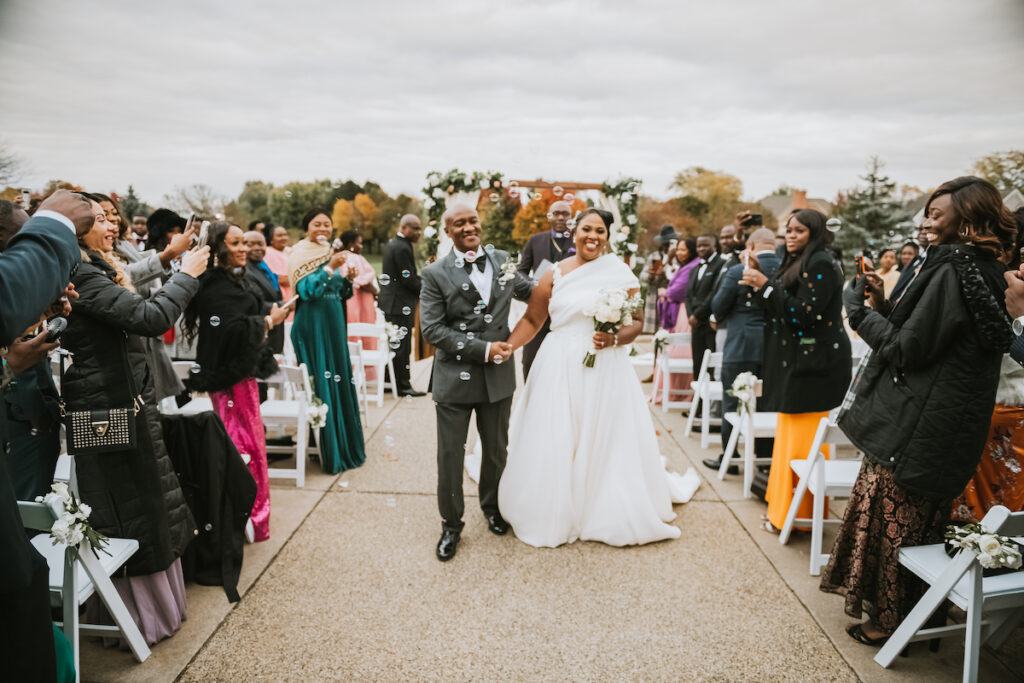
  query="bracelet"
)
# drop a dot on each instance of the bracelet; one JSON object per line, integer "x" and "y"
{"x": 269, "y": 322}
{"x": 615, "y": 339}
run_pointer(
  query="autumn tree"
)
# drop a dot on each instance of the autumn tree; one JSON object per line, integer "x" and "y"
{"x": 389, "y": 213}
{"x": 197, "y": 198}
{"x": 533, "y": 217}
{"x": 720, "y": 192}
{"x": 358, "y": 214}
{"x": 1005, "y": 170}
{"x": 653, "y": 214}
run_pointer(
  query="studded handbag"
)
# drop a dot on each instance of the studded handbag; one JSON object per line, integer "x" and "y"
{"x": 102, "y": 430}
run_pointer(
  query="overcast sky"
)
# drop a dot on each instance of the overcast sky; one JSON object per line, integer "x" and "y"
{"x": 162, "y": 94}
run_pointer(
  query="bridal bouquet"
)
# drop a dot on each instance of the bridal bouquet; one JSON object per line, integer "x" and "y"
{"x": 743, "y": 388}
{"x": 610, "y": 309}
{"x": 993, "y": 551}
{"x": 72, "y": 526}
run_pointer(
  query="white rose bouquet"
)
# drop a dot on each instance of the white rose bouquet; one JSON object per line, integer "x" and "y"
{"x": 660, "y": 339}
{"x": 743, "y": 388}
{"x": 316, "y": 416}
{"x": 610, "y": 309}
{"x": 72, "y": 525}
{"x": 993, "y": 551}
{"x": 508, "y": 271}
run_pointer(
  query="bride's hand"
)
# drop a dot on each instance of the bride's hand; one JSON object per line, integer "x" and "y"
{"x": 603, "y": 340}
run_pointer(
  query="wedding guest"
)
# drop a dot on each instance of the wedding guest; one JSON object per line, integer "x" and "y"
{"x": 730, "y": 242}
{"x": 911, "y": 269}
{"x": 12, "y": 217}
{"x": 698, "y": 298}
{"x": 163, "y": 224}
{"x": 654, "y": 277}
{"x": 887, "y": 270}
{"x": 265, "y": 283}
{"x": 277, "y": 258}
{"x": 362, "y": 307}
{"x": 546, "y": 248}
{"x": 908, "y": 252}
{"x": 133, "y": 493}
{"x": 146, "y": 271}
{"x": 323, "y": 281}
{"x": 806, "y": 351}
{"x": 686, "y": 258}
{"x": 232, "y": 322}
{"x": 34, "y": 272}
{"x": 139, "y": 231}
{"x": 737, "y": 307}
{"x": 399, "y": 295}
{"x": 921, "y": 406}
{"x": 668, "y": 310}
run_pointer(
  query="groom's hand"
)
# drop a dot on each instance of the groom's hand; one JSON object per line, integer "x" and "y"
{"x": 500, "y": 351}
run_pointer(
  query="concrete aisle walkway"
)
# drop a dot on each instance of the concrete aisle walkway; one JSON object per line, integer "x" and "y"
{"x": 355, "y": 592}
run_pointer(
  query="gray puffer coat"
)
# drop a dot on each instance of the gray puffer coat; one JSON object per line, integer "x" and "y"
{"x": 134, "y": 493}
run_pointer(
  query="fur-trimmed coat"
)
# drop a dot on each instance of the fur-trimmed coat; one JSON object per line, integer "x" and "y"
{"x": 232, "y": 337}
{"x": 924, "y": 400}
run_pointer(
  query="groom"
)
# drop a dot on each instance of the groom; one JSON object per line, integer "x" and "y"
{"x": 464, "y": 304}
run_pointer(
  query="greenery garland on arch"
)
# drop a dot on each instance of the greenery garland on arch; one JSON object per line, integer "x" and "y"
{"x": 440, "y": 186}
{"x": 626, "y": 193}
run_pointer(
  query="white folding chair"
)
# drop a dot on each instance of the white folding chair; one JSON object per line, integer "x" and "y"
{"x": 994, "y": 604}
{"x": 668, "y": 366}
{"x": 355, "y": 355}
{"x": 198, "y": 404}
{"x": 822, "y": 478}
{"x": 292, "y": 412}
{"x": 705, "y": 390}
{"x": 289, "y": 349}
{"x": 77, "y": 574}
{"x": 379, "y": 358}
{"x": 749, "y": 426}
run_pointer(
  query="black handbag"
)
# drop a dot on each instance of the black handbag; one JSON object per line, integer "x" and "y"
{"x": 103, "y": 430}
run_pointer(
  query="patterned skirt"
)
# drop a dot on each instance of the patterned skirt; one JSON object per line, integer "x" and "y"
{"x": 881, "y": 518}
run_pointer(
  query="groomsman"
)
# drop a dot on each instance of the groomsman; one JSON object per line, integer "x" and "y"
{"x": 698, "y": 299}
{"x": 551, "y": 246}
{"x": 399, "y": 294}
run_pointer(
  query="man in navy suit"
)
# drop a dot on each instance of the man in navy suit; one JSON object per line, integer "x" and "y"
{"x": 736, "y": 305}
{"x": 35, "y": 269}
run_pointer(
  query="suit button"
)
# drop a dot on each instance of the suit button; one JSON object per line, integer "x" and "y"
{"x": 7, "y": 447}
{"x": 892, "y": 459}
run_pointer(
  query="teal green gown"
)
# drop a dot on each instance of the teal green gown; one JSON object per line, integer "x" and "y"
{"x": 320, "y": 338}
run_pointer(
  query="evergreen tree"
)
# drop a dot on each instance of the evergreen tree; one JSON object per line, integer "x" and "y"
{"x": 872, "y": 215}
{"x": 132, "y": 206}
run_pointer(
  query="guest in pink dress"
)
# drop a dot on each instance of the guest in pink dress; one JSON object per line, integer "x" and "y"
{"x": 362, "y": 307}
{"x": 277, "y": 258}
{"x": 686, "y": 257}
{"x": 232, "y": 322}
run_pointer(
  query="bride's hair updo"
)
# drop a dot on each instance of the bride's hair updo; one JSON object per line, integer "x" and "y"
{"x": 606, "y": 216}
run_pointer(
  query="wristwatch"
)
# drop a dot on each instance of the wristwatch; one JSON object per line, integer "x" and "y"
{"x": 1018, "y": 326}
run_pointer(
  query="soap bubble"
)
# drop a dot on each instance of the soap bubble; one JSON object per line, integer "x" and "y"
{"x": 337, "y": 378}
{"x": 470, "y": 335}
{"x": 465, "y": 286}
{"x": 464, "y": 376}
{"x": 460, "y": 345}
{"x": 497, "y": 361}
{"x": 195, "y": 369}
{"x": 833, "y": 224}
{"x": 231, "y": 404}
{"x": 488, "y": 318}
{"x": 406, "y": 273}
{"x": 557, "y": 191}
{"x": 460, "y": 262}
{"x": 327, "y": 374}
{"x": 462, "y": 326}
{"x": 402, "y": 331}
{"x": 571, "y": 223}
{"x": 537, "y": 196}
{"x": 471, "y": 256}
{"x": 394, "y": 343}
{"x": 513, "y": 194}
{"x": 214, "y": 321}
{"x": 569, "y": 197}
{"x": 458, "y": 357}
{"x": 495, "y": 197}
{"x": 406, "y": 310}
{"x": 513, "y": 183}
{"x": 384, "y": 279}
{"x": 489, "y": 248}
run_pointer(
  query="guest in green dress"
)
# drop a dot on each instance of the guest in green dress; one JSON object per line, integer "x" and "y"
{"x": 323, "y": 281}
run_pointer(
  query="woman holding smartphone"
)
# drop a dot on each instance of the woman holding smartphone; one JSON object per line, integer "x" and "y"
{"x": 232, "y": 322}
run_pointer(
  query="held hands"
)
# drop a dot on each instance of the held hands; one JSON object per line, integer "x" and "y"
{"x": 23, "y": 353}
{"x": 194, "y": 262}
{"x": 73, "y": 206}
{"x": 500, "y": 352}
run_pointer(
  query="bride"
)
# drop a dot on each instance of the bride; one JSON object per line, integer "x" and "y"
{"x": 583, "y": 459}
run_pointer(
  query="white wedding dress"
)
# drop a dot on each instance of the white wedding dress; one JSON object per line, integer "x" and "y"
{"x": 583, "y": 460}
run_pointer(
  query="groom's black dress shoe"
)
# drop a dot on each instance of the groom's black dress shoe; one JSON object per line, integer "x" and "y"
{"x": 411, "y": 392}
{"x": 446, "y": 546}
{"x": 715, "y": 463}
{"x": 497, "y": 525}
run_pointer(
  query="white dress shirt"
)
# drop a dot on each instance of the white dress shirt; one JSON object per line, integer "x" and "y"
{"x": 482, "y": 282}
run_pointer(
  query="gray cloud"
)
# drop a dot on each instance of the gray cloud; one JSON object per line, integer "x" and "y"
{"x": 112, "y": 93}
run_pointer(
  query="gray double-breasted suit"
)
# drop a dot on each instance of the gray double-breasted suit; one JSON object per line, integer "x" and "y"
{"x": 454, "y": 321}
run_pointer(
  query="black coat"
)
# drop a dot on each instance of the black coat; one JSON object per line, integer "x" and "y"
{"x": 924, "y": 400}
{"x": 270, "y": 296}
{"x": 543, "y": 247}
{"x": 807, "y": 356}
{"x": 232, "y": 342}
{"x": 702, "y": 289}
{"x": 740, "y": 309}
{"x": 220, "y": 492}
{"x": 403, "y": 283}
{"x": 133, "y": 493}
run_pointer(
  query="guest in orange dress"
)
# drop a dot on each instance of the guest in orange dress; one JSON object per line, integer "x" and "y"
{"x": 362, "y": 307}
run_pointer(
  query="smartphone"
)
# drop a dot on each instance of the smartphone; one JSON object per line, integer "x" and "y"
{"x": 746, "y": 259}
{"x": 204, "y": 235}
{"x": 189, "y": 222}
{"x": 290, "y": 302}
{"x": 26, "y": 198}
{"x": 859, "y": 260}
{"x": 54, "y": 328}
{"x": 755, "y": 219}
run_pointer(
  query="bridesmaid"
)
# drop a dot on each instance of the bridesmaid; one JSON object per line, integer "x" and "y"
{"x": 232, "y": 322}
{"x": 807, "y": 354}
{"x": 362, "y": 307}
{"x": 323, "y": 281}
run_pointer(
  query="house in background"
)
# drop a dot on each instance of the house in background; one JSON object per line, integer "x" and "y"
{"x": 782, "y": 205}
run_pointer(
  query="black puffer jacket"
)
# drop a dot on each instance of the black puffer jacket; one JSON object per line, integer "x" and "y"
{"x": 133, "y": 494}
{"x": 232, "y": 336}
{"x": 924, "y": 400}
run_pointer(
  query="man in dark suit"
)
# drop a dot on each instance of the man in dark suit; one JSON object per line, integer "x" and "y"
{"x": 470, "y": 375}
{"x": 743, "y": 313}
{"x": 265, "y": 282}
{"x": 399, "y": 294}
{"x": 698, "y": 299}
{"x": 34, "y": 272}
{"x": 551, "y": 247}
{"x": 912, "y": 268}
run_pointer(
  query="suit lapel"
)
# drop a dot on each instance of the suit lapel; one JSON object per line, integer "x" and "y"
{"x": 460, "y": 278}
{"x": 495, "y": 274}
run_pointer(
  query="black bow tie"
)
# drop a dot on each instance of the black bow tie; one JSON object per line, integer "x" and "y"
{"x": 480, "y": 263}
